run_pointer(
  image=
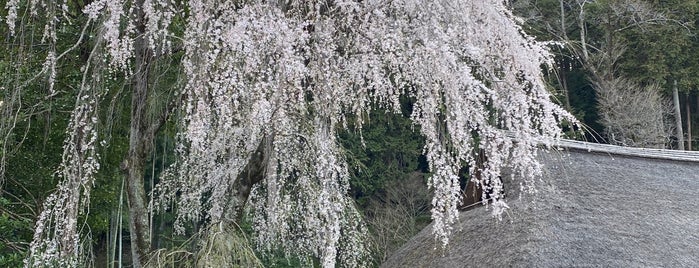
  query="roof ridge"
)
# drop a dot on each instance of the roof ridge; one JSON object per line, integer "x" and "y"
{"x": 666, "y": 154}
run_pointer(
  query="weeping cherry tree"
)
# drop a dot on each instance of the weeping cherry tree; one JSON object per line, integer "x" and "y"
{"x": 268, "y": 85}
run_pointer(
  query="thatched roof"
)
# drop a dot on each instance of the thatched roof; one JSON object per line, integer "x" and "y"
{"x": 592, "y": 210}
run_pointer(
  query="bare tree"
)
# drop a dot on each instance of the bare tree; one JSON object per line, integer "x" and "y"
{"x": 395, "y": 216}
{"x": 633, "y": 115}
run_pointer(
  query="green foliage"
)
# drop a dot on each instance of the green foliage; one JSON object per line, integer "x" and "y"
{"x": 387, "y": 178}
{"x": 14, "y": 231}
{"x": 583, "y": 99}
{"x": 28, "y": 180}
{"x": 662, "y": 52}
{"x": 388, "y": 148}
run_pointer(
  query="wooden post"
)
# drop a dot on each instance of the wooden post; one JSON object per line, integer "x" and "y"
{"x": 678, "y": 116}
{"x": 689, "y": 123}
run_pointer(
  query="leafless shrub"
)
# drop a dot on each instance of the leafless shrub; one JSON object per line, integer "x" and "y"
{"x": 633, "y": 115}
{"x": 398, "y": 214}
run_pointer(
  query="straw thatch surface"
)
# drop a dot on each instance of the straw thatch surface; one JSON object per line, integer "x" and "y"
{"x": 592, "y": 210}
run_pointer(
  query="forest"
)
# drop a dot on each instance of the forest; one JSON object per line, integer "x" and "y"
{"x": 317, "y": 133}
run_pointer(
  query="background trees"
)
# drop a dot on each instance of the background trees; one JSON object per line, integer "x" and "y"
{"x": 642, "y": 43}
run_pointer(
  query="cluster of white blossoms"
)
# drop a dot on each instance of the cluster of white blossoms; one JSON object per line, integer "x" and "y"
{"x": 56, "y": 235}
{"x": 117, "y": 28}
{"x": 290, "y": 72}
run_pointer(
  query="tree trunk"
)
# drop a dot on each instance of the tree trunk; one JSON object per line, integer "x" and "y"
{"x": 563, "y": 20}
{"x": 140, "y": 137}
{"x": 253, "y": 173}
{"x": 697, "y": 102}
{"x": 678, "y": 116}
{"x": 217, "y": 249}
{"x": 583, "y": 39}
{"x": 563, "y": 80}
{"x": 689, "y": 124}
